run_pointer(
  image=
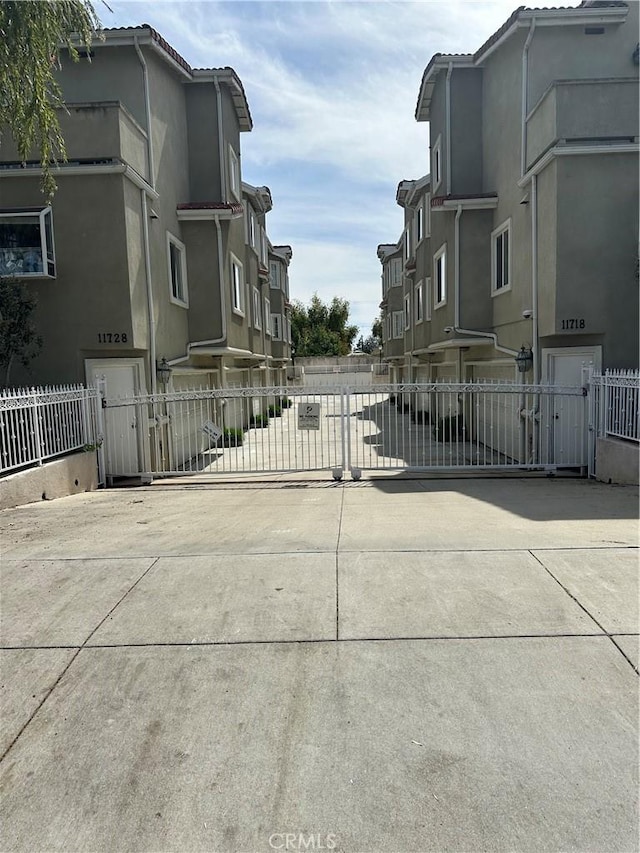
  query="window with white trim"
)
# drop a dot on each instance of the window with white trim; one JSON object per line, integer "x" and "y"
{"x": 234, "y": 173}
{"x": 396, "y": 272}
{"x": 427, "y": 215}
{"x": 237, "y": 286}
{"x": 263, "y": 245}
{"x": 398, "y": 324}
{"x": 257, "y": 318}
{"x": 419, "y": 222}
{"x": 407, "y": 242}
{"x": 388, "y": 327}
{"x": 418, "y": 309}
{"x": 287, "y": 321}
{"x": 177, "y": 265}
{"x": 267, "y": 316}
{"x": 427, "y": 298}
{"x": 274, "y": 275}
{"x": 501, "y": 258}
{"x": 252, "y": 229}
{"x": 407, "y": 311}
{"x": 440, "y": 277}
{"x": 436, "y": 163}
{"x": 26, "y": 243}
{"x": 276, "y": 327}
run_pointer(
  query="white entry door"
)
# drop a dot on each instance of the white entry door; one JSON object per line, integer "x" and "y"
{"x": 565, "y": 366}
{"x": 125, "y": 436}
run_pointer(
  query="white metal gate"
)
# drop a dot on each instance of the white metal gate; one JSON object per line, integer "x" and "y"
{"x": 410, "y": 427}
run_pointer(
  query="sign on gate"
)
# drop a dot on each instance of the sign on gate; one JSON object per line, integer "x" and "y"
{"x": 309, "y": 416}
{"x": 210, "y": 429}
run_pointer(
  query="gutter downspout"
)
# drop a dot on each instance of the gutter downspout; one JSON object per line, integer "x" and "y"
{"x": 447, "y": 101}
{"x": 147, "y": 110}
{"x": 456, "y": 326}
{"x": 534, "y": 277}
{"x": 145, "y": 225}
{"x": 525, "y": 98}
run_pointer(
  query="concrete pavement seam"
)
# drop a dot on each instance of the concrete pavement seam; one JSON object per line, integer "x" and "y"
{"x": 73, "y": 657}
{"x": 338, "y": 568}
{"x": 327, "y": 640}
{"x": 590, "y": 615}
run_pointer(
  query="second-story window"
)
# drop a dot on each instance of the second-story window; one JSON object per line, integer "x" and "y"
{"x": 500, "y": 258}
{"x": 176, "y": 260}
{"x": 234, "y": 173}
{"x": 252, "y": 229}
{"x": 257, "y": 319}
{"x": 407, "y": 243}
{"x": 427, "y": 298}
{"x": 276, "y": 327}
{"x": 418, "y": 310}
{"x": 440, "y": 277}
{"x": 267, "y": 316}
{"x": 436, "y": 163}
{"x": 407, "y": 311}
{"x": 237, "y": 286}
{"x": 398, "y": 324}
{"x": 388, "y": 327}
{"x": 427, "y": 215}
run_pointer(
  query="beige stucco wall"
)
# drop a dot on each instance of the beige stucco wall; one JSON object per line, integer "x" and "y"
{"x": 57, "y": 479}
{"x": 617, "y": 461}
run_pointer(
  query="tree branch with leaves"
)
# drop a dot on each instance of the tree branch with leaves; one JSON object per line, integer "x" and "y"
{"x": 34, "y": 34}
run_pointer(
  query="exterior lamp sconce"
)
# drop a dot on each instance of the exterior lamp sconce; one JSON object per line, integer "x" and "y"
{"x": 163, "y": 372}
{"x": 524, "y": 360}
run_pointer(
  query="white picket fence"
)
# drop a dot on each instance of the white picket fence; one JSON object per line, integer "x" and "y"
{"x": 37, "y": 424}
{"x": 617, "y": 398}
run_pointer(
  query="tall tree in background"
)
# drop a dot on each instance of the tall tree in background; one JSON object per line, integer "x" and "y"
{"x": 322, "y": 329}
{"x": 374, "y": 340}
{"x": 33, "y": 34}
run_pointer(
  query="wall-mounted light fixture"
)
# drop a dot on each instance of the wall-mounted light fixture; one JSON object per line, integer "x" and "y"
{"x": 163, "y": 372}
{"x": 524, "y": 360}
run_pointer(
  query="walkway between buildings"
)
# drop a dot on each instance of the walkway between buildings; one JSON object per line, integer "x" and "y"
{"x": 383, "y": 665}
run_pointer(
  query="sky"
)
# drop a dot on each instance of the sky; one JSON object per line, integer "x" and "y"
{"x": 332, "y": 88}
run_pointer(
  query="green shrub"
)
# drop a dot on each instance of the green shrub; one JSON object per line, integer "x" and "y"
{"x": 274, "y": 411}
{"x": 284, "y": 402}
{"x": 259, "y": 421}
{"x": 232, "y": 437}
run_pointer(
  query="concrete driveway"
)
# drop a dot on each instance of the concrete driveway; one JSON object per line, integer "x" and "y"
{"x": 390, "y": 665}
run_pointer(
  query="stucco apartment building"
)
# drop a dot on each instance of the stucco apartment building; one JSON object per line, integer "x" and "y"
{"x": 153, "y": 247}
{"x": 525, "y": 232}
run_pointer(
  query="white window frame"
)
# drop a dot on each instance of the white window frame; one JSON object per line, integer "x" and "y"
{"x": 274, "y": 275}
{"x": 237, "y": 285}
{"x": 388, "y": 327}
{"x": 504, "y": 228}
{"x": 419, "y": 220}
{"x": 47, "y": 252}
{"x": 257, "y": 318}
{"x": 427, "y": 215}
{"x": 267, "y": 316}
{"x": 407, "y": 242}
{"x": 427, "y": 298}
{"x": 182, "y": 301}
{"x": 234, "y": 174}
{"x": 396, "y": 272}
{"x": 398, "y": 324}
{"x": 407, "y": 312}
{"x": 263, "y": 244}
{"x": 440, "y": 254}
{"x": 418, "y": 303}
{"x": 252, "y": 229}
{"x": 276, "y": 327}
{"x": 436, "y": 163}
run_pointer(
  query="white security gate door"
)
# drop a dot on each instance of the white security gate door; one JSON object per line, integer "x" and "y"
{"x": 125, "y": 428}
{"x": 416, "y": 427}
